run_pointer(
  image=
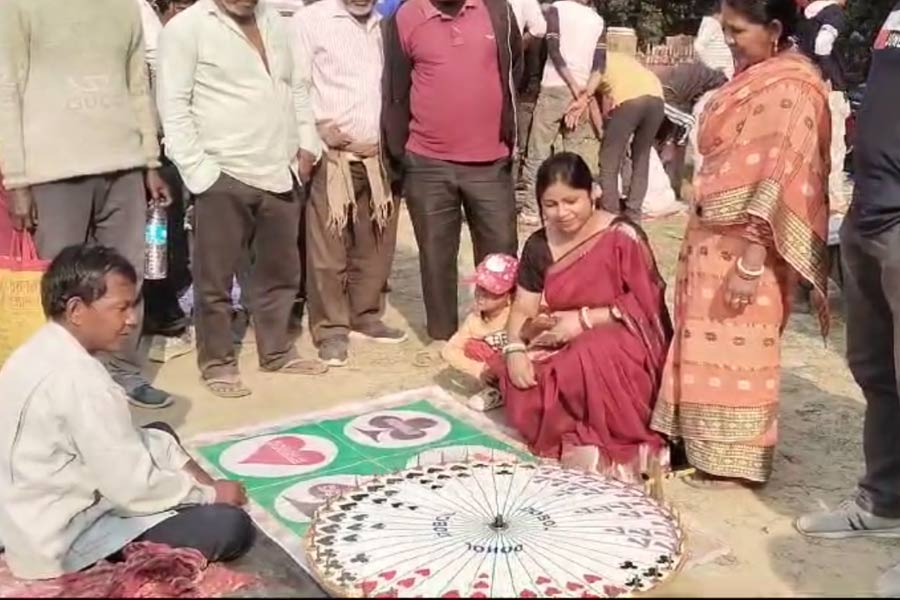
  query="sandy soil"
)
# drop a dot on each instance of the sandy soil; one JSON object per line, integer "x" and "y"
{"x": 742, "y": 542}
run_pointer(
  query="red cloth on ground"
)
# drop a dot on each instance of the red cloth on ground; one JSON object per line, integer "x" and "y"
{"x": 148, "y": 571}
{"x": 600, "y": 389}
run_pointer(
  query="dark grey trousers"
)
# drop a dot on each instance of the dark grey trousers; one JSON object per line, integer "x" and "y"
{"x": 108, "y": 209}
{"x": 636, "y": 120}
{"x": 872, "y": 289}
{"x": 228, "y": 217}
{"x": 437, "y": 192}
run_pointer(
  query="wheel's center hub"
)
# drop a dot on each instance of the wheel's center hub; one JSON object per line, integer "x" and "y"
{"x": 499, "y": 523}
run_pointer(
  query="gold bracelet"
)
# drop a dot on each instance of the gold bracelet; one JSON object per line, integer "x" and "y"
{"x": 514, "y": 348}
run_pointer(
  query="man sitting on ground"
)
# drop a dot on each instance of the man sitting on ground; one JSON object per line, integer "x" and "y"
{"x": 77, "y": 480}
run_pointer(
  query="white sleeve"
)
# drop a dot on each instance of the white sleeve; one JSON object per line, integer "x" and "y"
{"x": 825, "y": 40}
{"x": 174, "y": 90}
{"x": 152, "y": 28}
{"x": 535, "y": 24}
{"x": 122, "y": 467}
{"x": 301, "y": 88}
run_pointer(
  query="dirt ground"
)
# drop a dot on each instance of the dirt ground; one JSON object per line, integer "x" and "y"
{"x": 742, "y": 542}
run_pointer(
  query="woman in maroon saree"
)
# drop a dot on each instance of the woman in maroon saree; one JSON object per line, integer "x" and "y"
{"x": 589, "y": 332}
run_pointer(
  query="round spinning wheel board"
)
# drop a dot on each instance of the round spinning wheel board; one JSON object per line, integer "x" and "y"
{"x": 492, "y": 530}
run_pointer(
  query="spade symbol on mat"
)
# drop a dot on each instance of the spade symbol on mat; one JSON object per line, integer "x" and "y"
{"x": 378, "y": 526}
{"x": 347, "y": 506}
{"x": 396, "y": 504}
{"x": 327, "y": 540}
{"x": 394, "y": 480}
{"x": 437, "y": 487}
{"x": 390, "y": 493}
{"x": 329, "y": 528}
{"x": 351, "y": 538}
{"x": 458, "y": 468}
{"x": 375, "y": 488}
{"x": 359, "y": 497}
{"x": 360, "y": 518}
{"x": 443, "y": 477}
{"x": 379, "y": 500}
{"x": 355, "y": 527}
{"x": 337, "y": 518}
{"x": 433, "y": 470}
{"x": 284, "y": 450}
{"x": 385, "y": 427}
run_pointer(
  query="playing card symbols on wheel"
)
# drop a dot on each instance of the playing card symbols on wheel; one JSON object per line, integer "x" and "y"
{"x": 493, "y": 529}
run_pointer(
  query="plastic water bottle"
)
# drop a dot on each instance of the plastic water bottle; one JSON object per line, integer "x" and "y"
{"x": 155, "y": 243}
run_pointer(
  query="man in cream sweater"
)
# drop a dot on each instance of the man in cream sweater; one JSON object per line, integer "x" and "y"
{"x": 77, "y": 480}
{"x": 78, "y": 140}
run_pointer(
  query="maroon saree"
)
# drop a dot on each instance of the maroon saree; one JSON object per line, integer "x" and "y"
{"x": 599, "y": 390}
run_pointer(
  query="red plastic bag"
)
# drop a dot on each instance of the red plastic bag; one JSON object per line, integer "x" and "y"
{"x": 21, "y": 313}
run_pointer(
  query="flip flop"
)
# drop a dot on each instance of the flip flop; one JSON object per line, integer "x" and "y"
{"x": 302, "y": 366}
{"x": 224, "y": 388}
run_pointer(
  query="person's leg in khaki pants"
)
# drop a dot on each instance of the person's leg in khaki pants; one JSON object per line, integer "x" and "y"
{"x": 347, "y": 270}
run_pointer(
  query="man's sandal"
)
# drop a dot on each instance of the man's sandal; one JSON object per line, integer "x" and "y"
{"x": 227, "y": 388}
{"x": 301, "y": 366}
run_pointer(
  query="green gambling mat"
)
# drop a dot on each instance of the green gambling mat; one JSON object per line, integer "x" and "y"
{"x": 292, "y": 467}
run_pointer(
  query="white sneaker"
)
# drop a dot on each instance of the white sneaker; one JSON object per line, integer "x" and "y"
{"x": 846, "y": 521}
{"x": 486, "y": 400}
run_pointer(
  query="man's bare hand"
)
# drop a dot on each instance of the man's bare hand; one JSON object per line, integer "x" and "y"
{"x": 22, "y": 210}
{"x": 363, "y": 150}
{"x": 306, "y": 162}
{"x": 230, "y": 492}
{"x": 157, "y": 188}
{"x": 332, "y": 135}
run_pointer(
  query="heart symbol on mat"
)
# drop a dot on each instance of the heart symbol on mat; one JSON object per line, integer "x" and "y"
{"x": 407, "y": 583}
{"x": 451, "y": 594}
{"x": 612, "y": 591}
{"x": 423, "y": 572}
{"x": 481, "y": 585}
{"x": 284, "y": 450}
{"x": 573, "y": 587}
{"x": 368, "y": 587}
{"x": 479, "y": 595}
{"x": 552, "y": 591}
{"x": 542, "y": 580}
{"x": 589, "y": 595}
{"x": 388, "y": 575}
{"x": 527, "y": 594}
{"x": 592, "y": 578}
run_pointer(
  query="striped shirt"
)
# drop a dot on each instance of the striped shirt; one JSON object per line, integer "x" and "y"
{"x": 711, "y": 48}
{"x": 341, "y": 61}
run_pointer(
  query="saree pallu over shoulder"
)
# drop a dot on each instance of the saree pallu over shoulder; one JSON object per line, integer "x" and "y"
{"x": 765, "y": 139}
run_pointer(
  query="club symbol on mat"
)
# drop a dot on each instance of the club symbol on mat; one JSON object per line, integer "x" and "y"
{"x": 386, "y": 427}
{"x": 397, "y": 429}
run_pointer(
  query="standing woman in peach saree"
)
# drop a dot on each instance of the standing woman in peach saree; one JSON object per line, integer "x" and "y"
{"x": 759, "y": 221}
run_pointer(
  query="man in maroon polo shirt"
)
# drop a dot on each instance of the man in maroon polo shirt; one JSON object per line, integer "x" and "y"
{"x": 451, "y": 67}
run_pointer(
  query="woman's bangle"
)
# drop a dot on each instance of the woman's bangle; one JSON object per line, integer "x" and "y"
{"x": 584, "y": 317}
{"x": 746, "y": 273}
{"x": 514, "y": 348}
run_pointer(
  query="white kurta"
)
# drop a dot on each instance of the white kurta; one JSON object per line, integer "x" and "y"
{"x": 77, "y": 480}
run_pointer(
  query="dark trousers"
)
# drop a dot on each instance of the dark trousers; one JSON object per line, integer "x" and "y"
{"x": 872, "y": 290}
{"x": 108, "y": 209}
{"x": 637, "y": 120}
{"x": 219, "y": 531}
{"x": 346, "y": 269}
{"x": 228, "y": 217}
{"x": 437, "y": 192}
